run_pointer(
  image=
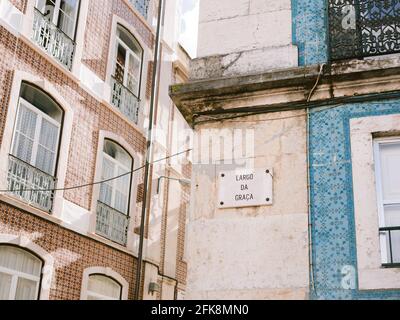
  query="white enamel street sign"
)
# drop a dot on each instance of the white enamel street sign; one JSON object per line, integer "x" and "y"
{"x": 245, "y": 188}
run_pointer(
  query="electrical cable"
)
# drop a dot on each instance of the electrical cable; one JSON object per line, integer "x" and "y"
{"x": 93, "y": 183}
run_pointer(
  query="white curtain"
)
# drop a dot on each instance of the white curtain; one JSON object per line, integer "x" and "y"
{"x": 106, "y": 189}
{"x": 47, "y": 147}
{"x": 115, "y": 193}
{"x": 24, "y": 133}
{"x": 35, "y": 139}
{"x": 103, "y": 288}
{"x": 20, "y": 273}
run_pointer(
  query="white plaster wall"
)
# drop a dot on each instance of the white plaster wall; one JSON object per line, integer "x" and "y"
{"x": 243, "y": 25}
{"x": 260, "y": 252}
{"x": 168, "y": 289}
{"x": 151, "y": 275}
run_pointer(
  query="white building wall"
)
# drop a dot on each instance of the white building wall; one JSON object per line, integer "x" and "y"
{"x": 248, "y": 36}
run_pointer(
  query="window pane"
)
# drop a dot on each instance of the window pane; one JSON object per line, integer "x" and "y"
{"x": 104, "y": 286}
{"x": 120, "y": 64}
{"x": 392, "y": 219}
{"x": 390, "y": 168}
{"x": 392, "y": 216}
{"x": 5, "y": 286}
{"x": 47, "y": 7}
{"x": 26, "y": 290}
{"x": 24, "y": 133}
{"x": 19, "y": 260}
{"x": 106, "y": 188}
{"x": 122, "y": 191}
{"x": 392, "y": 240}
{"x": 47, "y": 148}
{"x": 133, "y": 74}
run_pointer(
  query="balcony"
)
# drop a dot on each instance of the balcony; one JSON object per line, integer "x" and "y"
{"x": 123, "y": 99}
{"x": 142, "y": 6}
{"x": 52, "y": 40}
{"x": 23, "y": 179}
{"x": 111, "y": 224}
{"x": 363, "y": 28}
{"x": 392, "y": 237}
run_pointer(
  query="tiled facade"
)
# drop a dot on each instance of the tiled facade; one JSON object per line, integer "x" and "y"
{"x": 98, "y": 32}
{"x": 332, "y": 194}
{"x": 74, "y": 251}
{"x": 309, "y": 32}
{"x": 333, "y": 217}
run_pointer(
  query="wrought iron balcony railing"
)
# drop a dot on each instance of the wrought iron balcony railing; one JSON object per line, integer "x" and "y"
{"x": 123, "y": 99}
{"x": 363, "y": 28}
{"x": 23, "y": 181}
{"x": 111, "y": 224}
{"x": 392, "y": 235}
{"x": 142, "y": 6}
{"x": 53, "y": 40}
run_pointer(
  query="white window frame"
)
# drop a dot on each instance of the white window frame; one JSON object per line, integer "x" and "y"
{"x": 108, "y": 272}
{"x": 100, "y": 296}
{"x": 371, "y": 274}
{"x": 40, "y": 116}
{"x": 15, "y": 275}
{"x": 379, "y": 188}
{"x": 129, "y": 52}
{"x": 115, "y": 174}
{"x": 56, "y": 15}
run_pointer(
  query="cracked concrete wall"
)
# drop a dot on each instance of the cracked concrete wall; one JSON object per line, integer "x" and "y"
{"x": 244, "y": 36}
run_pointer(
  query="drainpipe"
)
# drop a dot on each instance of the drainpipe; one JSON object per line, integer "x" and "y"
{"x": 149, "y": 150}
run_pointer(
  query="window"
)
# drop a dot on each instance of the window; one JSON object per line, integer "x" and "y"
{"x": 388, "y": 181}
{"x": 54, "y": 28}
{"x": 20, "y": 273}
{"x": 142, "y": 6}
{"x": 34, "y": 151}
{"x": 62, "y": 13}
{"x": 364, "y": 28}
{"x": 113, "y": 205}
{"x": 128, "y": 60}
{"x": 103, "y": 288}
{"x": 127, "y": 69}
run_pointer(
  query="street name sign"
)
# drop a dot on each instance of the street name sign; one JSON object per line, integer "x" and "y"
{"x": 245, "y": 188}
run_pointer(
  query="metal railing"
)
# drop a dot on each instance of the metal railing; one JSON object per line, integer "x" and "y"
{"x": 123, "y": 99}
{"x": 23, "y": 179}
{"x": 142, "y": 6}
{"x": 393, "y": 248}
{"x": 112, "y": 224}
{"x": 363, "y": 28}
{"x": 53, "y": 40}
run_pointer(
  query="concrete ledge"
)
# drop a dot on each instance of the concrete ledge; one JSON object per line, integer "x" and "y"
{"x": 244, "y": 62}
{"x": 284, "y": 89}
